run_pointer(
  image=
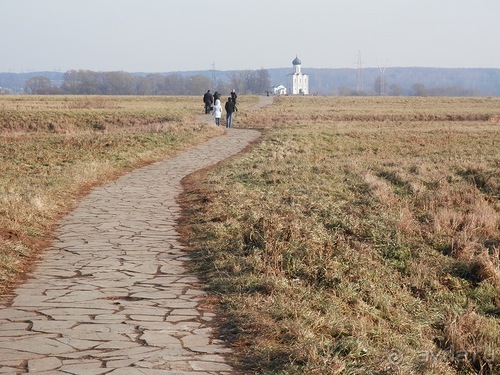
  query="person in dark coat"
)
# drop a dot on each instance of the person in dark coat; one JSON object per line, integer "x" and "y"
{"x": 233, "y": 96}
{"x": 216, "y": 96}
{"x": 208, "y": 99}
{"x": 230, "y": 108}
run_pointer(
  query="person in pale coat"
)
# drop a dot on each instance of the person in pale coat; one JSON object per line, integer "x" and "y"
{"x": 217, "y": 112}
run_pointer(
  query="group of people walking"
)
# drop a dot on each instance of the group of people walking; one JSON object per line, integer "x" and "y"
{"x": 213, "y": 104}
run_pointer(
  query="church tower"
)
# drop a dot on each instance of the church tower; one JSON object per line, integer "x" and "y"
{"x": 300, "y": 81}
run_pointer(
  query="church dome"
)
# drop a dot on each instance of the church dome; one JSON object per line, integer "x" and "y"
{"x": 296, "y": 61}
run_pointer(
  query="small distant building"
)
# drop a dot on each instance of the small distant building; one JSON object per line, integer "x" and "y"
{"x": 279, "y": 90}
{"x": 300, "y": 81}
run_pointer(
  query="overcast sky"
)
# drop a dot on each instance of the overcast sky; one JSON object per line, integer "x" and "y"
{"x": 181, "y": 35}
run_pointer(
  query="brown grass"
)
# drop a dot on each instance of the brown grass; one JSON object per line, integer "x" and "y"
{"x": 360, "y": 236}
{"x": 53, "y": 149}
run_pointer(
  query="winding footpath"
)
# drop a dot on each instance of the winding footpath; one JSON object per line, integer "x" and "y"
{"x": 112, "y": 294}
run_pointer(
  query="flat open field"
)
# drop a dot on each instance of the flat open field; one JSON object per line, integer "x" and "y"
{"x": 360, "y": 236}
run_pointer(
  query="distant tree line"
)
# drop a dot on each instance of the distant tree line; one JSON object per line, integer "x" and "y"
{"x": 324, "y": 81}
{"x": 86, "y": 82}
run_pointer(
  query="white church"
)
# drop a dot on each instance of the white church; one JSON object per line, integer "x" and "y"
{"x": 300, "y": 81}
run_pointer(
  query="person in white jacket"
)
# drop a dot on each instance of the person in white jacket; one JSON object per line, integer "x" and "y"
{"x": 217, "y": 112}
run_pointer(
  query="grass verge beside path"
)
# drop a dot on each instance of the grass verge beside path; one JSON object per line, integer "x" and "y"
{"x": 53, "y": 149}
{"x": 361, "y": 236}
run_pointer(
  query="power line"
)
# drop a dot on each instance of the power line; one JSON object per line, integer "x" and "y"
{"x": 214, "y": 78}
{"x": 360, "y": 74}
{"x": 381, "y": 68}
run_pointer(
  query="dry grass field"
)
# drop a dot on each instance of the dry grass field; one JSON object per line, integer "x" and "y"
{"x": 54, "y": 148}
{"x": 360, "y": 236}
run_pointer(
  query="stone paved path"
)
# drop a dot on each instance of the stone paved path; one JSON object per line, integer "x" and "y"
{"x": 112, "y": 294}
